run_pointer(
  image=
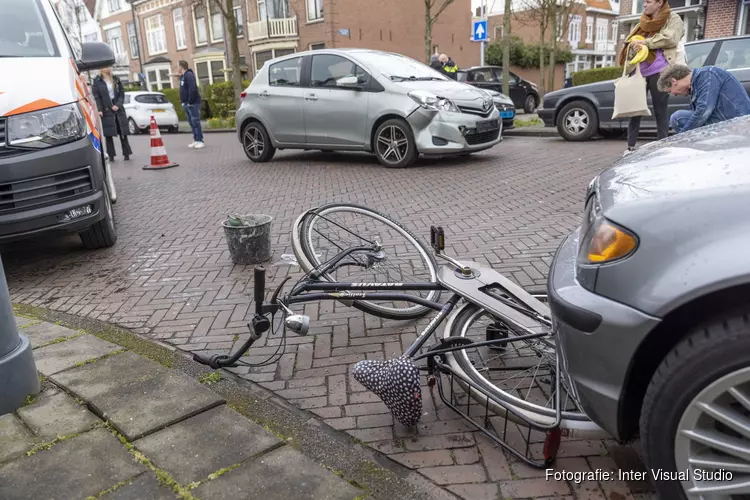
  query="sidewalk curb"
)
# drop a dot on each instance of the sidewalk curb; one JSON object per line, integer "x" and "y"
{"x": 362, "y": 466}
{"x": 531, "y": 132}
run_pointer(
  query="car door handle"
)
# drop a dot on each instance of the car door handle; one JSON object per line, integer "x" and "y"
{"x": 264, "y": 94}
{"x": 311, "y": 97}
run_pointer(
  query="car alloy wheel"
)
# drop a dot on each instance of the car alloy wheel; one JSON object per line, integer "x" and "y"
{"x": 576, "y": 121}
{"x": 392, "y": 144}
{"x": 254, "y": 142}
{"x": 712, "y": 436}
{"x": 132, "y": 127}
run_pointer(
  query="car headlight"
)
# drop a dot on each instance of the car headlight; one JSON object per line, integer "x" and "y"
{"x": 46, "y": 128}
{"x": 606, "y": 242}
{"x": 432, "y": 102}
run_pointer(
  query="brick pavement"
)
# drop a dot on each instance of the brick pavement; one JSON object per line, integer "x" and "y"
{"x": 170, "y": 278}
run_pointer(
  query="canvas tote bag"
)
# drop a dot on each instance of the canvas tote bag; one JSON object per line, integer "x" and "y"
{"x": 630, "y": 95}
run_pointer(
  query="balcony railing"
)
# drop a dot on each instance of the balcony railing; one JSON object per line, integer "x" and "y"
{"x": 604, "y": 47}
{"x": 272, "y": 28}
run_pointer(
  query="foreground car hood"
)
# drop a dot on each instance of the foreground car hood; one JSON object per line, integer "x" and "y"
{"x": 705, "y": 161}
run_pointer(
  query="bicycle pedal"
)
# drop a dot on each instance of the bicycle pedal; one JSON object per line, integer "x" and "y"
{"x": 437, "y": 238}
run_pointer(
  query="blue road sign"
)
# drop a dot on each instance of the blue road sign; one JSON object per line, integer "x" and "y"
{"x": 479, "y": 30}
{"x": 344, "y": 31}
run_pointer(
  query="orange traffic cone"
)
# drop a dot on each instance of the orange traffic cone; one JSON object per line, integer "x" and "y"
{"x": 159, "y": 158}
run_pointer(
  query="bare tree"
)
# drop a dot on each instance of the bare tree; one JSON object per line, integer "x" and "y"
{"x": 560, "y": 18}
{"x": 430, "y": 19}
{"x": 226, "y": 8}
{"x": 506, "y": 47}
{"x": 537, "y": 13}
{"x": 69, "y": 10}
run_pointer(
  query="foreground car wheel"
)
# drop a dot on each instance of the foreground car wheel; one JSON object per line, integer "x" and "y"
{"x": 394, "y": 144}
{"x": 103, "y": 234}
{"x": 577, "y": 121}
{"x": 133, "y": 128}
{"x": 696, "y": 413}
{"x": 256, "y": 143}
{"x": 529, "y": 106}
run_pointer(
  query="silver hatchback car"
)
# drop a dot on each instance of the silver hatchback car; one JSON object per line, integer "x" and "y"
{"x": 363, "y": 100}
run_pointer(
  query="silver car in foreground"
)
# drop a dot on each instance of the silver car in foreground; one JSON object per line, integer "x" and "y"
{"x": 650, "y": 299}
{"x": 363, "y": 100}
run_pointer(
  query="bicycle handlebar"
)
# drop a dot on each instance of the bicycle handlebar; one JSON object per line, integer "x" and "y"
{"x": 259, "y": 289}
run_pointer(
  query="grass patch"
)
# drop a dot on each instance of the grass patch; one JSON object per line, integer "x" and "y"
{"x": 61, "y": 340}
{"x": 536, "y": 122}
{"x": 210, "y": 378}
{"x": 108, "y": 490}
{"x": 94, "y": 360}
{"x": 59, "y": 439}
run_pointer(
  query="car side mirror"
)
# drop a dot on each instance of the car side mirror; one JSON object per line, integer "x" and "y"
{"x": 350, "y": 82}
{"x": 95, "y": 55}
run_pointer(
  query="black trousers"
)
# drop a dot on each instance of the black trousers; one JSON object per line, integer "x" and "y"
{"x": 660, "y": 102}
{"x": 110, "y": 140}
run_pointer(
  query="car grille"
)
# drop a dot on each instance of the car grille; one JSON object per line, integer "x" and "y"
{"x": 481, "y": 138}
{"x": 44, "y": 190}
{"x": 504, "y": 107}
{"x": 475, "y": 111}
{"x": 6, "y": 152}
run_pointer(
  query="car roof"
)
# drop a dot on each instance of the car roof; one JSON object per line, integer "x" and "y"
{"x": 338, "y": 51}
{"x": 709, "y": 40}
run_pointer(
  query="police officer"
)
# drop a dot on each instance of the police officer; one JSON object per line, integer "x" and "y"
{"x": 449, "y": 66}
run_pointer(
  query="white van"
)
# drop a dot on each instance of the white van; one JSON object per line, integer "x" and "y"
{"x": 53, "y": 174}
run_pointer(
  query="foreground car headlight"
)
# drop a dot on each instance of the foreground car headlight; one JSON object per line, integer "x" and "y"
{"x": 46, "y": 128}
{"x": 606, "y": 242}
{"x": 432, "y": 102}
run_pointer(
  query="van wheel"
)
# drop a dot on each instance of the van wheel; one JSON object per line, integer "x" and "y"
{"x": 103, "y": 234}
{"x": 577, "y": 121}
{"x": 698, "y": 418}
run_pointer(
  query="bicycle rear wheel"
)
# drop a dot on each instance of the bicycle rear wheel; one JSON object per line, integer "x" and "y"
{"x": 330, "y": 229}
{"x": 522, "y": 375}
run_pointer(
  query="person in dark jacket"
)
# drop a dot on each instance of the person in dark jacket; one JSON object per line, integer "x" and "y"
{"x": 110, "y": 96}
{"x": 437, "y": 65}
{"x": 450, "y": 67}
{"x": 190, "y": 97}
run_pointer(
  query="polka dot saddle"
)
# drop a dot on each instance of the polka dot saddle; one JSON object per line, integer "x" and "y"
{"x": 396, "y": 382}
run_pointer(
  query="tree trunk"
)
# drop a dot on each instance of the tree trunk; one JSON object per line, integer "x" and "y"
{"x": 542, "y": 79}
{"x": 427, "y": 30}
{"x": 553, "y": 47}
{"x": 234, "y": 51}
{"x": 506, "y": 47}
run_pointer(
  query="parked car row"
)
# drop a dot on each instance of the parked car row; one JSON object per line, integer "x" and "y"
{"x": 525, "y": 94}
{"x": 579, "y": 113}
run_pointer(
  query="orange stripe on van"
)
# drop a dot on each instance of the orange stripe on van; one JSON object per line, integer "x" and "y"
{"x": 33, "y": 106}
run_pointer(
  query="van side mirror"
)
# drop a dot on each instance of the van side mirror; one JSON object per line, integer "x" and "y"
{"x": 95, "y": 55}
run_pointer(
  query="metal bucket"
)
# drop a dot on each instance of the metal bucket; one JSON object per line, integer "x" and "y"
{"x": 249, "y": 243}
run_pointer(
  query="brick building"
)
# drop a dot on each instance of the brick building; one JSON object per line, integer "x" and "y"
{"x": 702, "y": 18}
{"x": 149, "y": 37}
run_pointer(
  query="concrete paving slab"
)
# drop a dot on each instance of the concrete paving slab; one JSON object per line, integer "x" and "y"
{"x": 143, "y": 487}
{"x": 44, "y": 333}
{"x": 15, "y": 438}
{"x": 280, "y": 475}
{"x": 56, "y": 414}
{"x": 143, "y": 407}
{"x": 95, "y": 379}
{"x": 74, "y": 468}
{"x": 22, "y": 322}
{"x": 58, "y": 357}
{"x": 206, "y": 443}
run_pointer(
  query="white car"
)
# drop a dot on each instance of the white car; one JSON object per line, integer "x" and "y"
{"x": 141, "y": 106}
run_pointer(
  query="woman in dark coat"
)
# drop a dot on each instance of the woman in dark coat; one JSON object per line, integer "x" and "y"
{"x": 110, "y": 96}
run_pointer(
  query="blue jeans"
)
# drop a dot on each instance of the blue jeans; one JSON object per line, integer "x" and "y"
{"x": 193, "y": 112}
{"x": 679, "y": 119}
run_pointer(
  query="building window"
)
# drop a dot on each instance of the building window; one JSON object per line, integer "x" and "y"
{"x": 498, "y": 32}
{"x": 114, "y": 40}
{"x": 601, "y": 30}
{"x": 314, "y": 10}
{"x": 217, "y": 25}
{"x": 201, "y": 28}
{"x": 589, "y": 29}
{"x": 744, "y": 26}
{"x": 262, "y": 57}
{"x": 179, "y": 29}
{"x": 614, "y": 31}
{"x": 114, "y": 5}
{"x": 210, "y": 72}
{"x": 262, "y": 10}
{"x": 132, "y": 41}
{"x": 238, "y": 21}
{"x": 574, "y": 30}
{"x": 156, "y": 35}
{"x": 317, "y": 46}
{"x": 158, "y": 79}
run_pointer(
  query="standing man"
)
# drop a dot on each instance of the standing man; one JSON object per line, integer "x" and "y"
{"x": 449, "y": 66}
{"x": 715, "y": 95}
{"x": 190, "y": 98}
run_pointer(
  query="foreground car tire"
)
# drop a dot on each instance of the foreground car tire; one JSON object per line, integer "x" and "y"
{"x": 103, "y": 234}
{"x": 577, "y": 121}
{"x": 133, "y": 128}
{"x": 394, "y": 144}
{"x": 256, "y": 143}
{"x": 696, "y": 406}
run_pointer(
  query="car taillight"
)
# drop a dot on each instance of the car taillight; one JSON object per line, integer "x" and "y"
{"x": 242, "y": 96}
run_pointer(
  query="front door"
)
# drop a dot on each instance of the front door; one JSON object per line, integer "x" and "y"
{"x": 336, "y": 112}
{"x": 517, "y": 91}
{"x": 485, "y": 79}
{"x": 282, "y": 101}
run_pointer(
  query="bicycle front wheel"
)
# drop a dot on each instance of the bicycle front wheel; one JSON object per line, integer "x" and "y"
{"x": 331, "y": 229}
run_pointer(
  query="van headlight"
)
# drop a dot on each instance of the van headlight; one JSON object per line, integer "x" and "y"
{"x": 432, "y": 102}
{"x": 46, "y": 128}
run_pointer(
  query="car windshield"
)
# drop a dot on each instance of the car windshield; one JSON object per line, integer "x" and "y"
{"x": 399, "y": 68}
{"x": 23, "y": 30}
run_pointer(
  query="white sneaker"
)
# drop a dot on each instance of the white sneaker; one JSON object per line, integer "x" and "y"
{"x": 199, "y": 145}
{"x": 628, "y": 151}
{"x": 192, "y": 144}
